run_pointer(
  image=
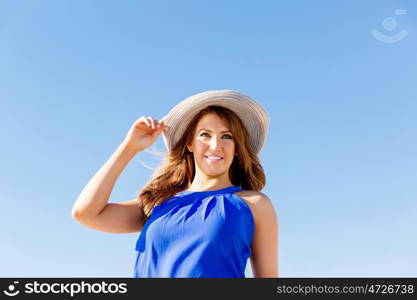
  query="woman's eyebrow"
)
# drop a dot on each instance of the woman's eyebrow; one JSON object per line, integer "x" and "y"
{"x": 212, "y": 131}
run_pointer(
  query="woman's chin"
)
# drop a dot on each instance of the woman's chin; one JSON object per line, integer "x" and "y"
{"x": 214, "y": 173}
{"x": 213, "y": 170}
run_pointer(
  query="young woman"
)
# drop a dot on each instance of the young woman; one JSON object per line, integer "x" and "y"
{"x": 202, "y": 214}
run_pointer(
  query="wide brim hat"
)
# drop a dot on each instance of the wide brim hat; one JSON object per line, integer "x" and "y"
{"x": 253, "y": 116}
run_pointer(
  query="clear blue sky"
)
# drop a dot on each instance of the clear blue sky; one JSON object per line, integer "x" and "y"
{"x": 340, "y": 158}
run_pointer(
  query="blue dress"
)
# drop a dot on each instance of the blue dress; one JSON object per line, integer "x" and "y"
{"x": 196, "y": 234}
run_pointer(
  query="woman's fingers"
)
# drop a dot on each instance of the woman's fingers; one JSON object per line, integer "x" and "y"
{"x": 153, "y": 123}
{"x": 150, "y": 122}
{"x": 144, "y": 120}
{"x": 160, "y": 124}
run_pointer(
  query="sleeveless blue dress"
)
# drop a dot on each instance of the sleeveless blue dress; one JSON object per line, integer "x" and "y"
{"x": 196, "y": 234}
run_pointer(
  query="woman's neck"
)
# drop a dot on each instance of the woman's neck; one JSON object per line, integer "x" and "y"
{"x": 208, "y": 185}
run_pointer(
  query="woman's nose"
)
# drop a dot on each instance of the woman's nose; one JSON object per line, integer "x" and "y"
{"x": 214, "y": 143}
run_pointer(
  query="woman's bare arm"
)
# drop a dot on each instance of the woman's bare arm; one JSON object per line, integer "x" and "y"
{"x": 92, "y": 208}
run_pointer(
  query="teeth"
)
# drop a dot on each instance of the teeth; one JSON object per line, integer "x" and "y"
{"x": 213, "y": 157}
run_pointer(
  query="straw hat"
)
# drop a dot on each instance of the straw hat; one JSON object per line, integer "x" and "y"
{"x": 252, "y": 114}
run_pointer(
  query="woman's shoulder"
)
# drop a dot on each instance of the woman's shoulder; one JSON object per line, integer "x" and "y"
{"x": 253, "y": 197}
{"x": 257, "y": 201}
{"x": 259, "y": 204}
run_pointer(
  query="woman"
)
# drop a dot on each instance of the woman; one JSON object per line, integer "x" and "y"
{"x": 201, "y": 215}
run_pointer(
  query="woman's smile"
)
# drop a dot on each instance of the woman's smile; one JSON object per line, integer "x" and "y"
{"x": 213, "y": 159}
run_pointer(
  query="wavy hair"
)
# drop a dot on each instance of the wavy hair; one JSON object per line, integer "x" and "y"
{"x": 177, "y": 171}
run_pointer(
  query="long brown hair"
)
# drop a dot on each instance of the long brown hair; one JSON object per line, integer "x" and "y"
{"x": 178, "y": 170}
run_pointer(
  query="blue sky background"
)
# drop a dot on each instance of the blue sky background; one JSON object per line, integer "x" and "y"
{"x": 340, "y": 158}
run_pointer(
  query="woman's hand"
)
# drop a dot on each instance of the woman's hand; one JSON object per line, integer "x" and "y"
{"x": 144, "y": 133}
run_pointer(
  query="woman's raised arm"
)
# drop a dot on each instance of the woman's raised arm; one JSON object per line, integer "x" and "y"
{"x": 92, "y": 208}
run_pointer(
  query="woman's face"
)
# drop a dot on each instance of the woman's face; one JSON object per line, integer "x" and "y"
{"x": 213, "y": 145}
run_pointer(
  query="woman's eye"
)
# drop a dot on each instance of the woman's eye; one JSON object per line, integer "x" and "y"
{"x": 228, "y": 135}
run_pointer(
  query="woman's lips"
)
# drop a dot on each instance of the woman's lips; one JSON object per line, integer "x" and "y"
{"x": 213, "y": 160}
